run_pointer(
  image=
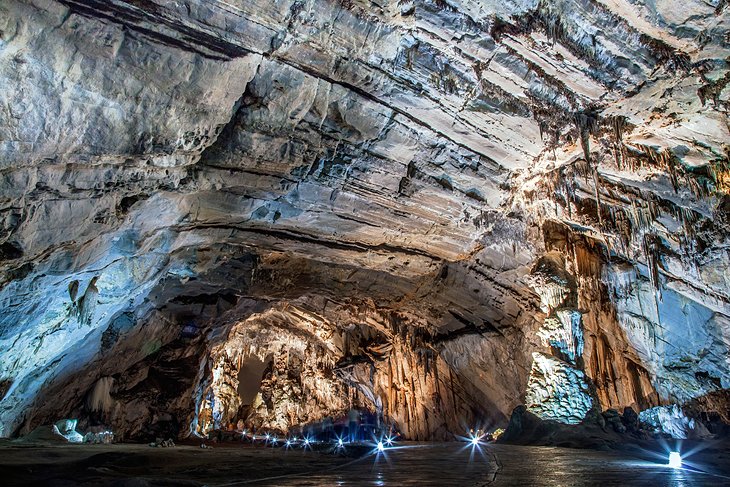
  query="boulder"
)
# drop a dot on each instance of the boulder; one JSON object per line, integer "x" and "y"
{"x": 630, "y": 419}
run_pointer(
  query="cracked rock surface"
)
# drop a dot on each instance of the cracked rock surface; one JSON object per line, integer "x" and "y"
{"x": 423, "y": 208}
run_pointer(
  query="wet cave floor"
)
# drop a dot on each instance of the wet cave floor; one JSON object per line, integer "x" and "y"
{"x": 412, "y": 464}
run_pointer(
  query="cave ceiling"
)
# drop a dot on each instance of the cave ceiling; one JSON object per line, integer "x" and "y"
{"x": 484, "y": 187}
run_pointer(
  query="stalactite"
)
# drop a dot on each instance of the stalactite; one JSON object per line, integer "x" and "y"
{"x": 651, "y": 248}
{"x": 618, "y": 124}
{"x": 100, "y": 399}
{"x": 663, "y": 159}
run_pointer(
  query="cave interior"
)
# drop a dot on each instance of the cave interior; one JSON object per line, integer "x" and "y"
{"x": 427, "y": 217}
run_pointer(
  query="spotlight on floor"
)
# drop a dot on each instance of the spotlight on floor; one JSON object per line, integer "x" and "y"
{"x": 675, "y": 460}
{"x": 475, "y": 439}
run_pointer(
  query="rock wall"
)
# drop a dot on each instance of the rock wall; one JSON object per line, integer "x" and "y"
{"x": 470, "y": 184}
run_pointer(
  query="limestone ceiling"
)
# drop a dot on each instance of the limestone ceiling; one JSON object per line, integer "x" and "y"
{"x": 399, "y": 146}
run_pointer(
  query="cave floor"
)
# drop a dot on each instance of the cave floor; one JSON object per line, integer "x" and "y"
{"x": 411, "y": 464}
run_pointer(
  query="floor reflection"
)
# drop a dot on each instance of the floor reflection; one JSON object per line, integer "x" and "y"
{"x": 404, "y": 464}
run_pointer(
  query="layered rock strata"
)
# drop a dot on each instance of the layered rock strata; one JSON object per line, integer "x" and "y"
{"x": 413, "y": 207}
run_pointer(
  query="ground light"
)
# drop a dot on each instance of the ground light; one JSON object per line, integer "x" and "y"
{"x": 475, "y": 439}
{"x": 381, "y": 447}
{"x": 675, "y": 460}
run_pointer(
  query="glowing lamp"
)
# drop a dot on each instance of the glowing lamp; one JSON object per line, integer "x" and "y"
{"x": 675, "y": 460}
{"x": 475, "y": 441}
{"x": 381, "y": 447}
{"x": 339, "y": 442}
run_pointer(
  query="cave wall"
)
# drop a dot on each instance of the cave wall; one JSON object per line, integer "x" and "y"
{"x": 498, "y": 189}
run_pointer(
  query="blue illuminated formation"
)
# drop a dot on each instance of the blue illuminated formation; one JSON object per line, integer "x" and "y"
{"x": 556, "y": 390}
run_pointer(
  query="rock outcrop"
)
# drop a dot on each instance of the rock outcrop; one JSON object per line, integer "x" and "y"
{"x": 408, "y": 207}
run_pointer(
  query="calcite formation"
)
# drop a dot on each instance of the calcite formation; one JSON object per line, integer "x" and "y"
{"x": 433, "y": 210}
{"x": 557, "y": 391}
{"x": 672, "y": 421}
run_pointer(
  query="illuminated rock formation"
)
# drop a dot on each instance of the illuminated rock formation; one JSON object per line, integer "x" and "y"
{"x": 433, "y": 210}
{"x": 557, "y": 390}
